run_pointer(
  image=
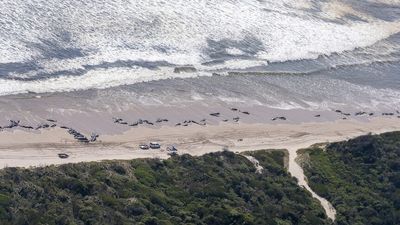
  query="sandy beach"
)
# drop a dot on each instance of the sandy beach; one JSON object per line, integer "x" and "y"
{"x": 23, "y": 149}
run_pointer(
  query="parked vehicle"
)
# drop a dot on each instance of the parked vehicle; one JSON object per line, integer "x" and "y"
{"x": 144, "y": 147}
{"x": 63, "y": 155}
{"x": 155, "y": 145}
{"x": 172, "y": 149}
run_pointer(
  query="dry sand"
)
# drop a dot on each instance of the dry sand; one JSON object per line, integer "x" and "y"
{"x": 24, "y": 149}
{"x": 21, "y": 148}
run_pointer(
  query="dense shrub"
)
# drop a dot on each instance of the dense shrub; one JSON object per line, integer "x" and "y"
{"x": 360, "y": 177}
{"x": 219, "y": 188}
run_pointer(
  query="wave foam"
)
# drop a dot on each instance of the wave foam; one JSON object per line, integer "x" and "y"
{"x": 96, "y": 79}
{"x": 65, "y": 35}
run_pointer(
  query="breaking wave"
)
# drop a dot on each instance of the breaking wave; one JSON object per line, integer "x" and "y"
{"x": 67, "y": 45}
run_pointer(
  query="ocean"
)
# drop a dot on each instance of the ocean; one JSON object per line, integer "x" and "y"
{"x": 114, "y": 55}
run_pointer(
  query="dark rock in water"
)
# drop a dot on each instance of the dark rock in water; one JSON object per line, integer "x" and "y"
{"x": 78, "y": 136}
{"x": 26, "y": 127}
{"x": 83, "y": 140}
{"x": 225, "y": 120}
{"x": 317, "y": 116}
{"x": 203, "y": 120}
{"x": 185, "y": 69}
{"x": 360, "y": 113}
{"x": 42, "y": 126}
{"x": 236, "y": 119}
{"x": 53, "y": 125}
{"x": 341, "y": 112}
{"x": 247, "y": 113}
{"x": 279, "y": 118}
{"x": 195, "y": 122}
{"x": 215, "y": 114}
{"x": 93, "y": 137}
{"x": 241, "y": 139}
{"x": 124, "y": 123}
{"x": 13, "y": 124}
{"x": 234, "y": 109}
{"x": 133, "y": 124}
{"x": 51, "y": 120}
{"x": 387, "y": 114}
{"x": 344, "y": 118}
{"x": 188, "y": 122}
{"x": 159, "y": 120}
{"x": 371, "y": 114}
{"x": 64, "y": 127}
{"x": 118, "y": 120}
{"x": 71, "y": 131}
{"x": 397, "y": 111}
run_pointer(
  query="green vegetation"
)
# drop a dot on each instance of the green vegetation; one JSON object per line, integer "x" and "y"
{"x": 360, "y": 177}
{"x": 219, "y": 188}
